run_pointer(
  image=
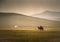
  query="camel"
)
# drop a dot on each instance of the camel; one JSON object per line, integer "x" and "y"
{"x": 40, "y": 28}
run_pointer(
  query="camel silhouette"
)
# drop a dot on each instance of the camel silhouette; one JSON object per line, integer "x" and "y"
{"x": 41, "y": 28}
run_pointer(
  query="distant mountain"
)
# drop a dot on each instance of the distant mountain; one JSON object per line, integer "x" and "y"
{"x": 50, "y": 15}
{"x": 15, "y": 19}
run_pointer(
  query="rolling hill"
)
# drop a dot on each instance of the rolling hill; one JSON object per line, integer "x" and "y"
{"x": 12, "y": 19}
{"x": 50, "y": 15}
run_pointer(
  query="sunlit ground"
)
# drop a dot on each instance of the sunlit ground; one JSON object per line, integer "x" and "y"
{"x": 30, "y": 28}
{"x": 28, "y": 34}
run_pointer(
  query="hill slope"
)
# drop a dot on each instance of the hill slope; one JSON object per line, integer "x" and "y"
{"x": 12, "y": 19}
{"x": 50, "y": 15}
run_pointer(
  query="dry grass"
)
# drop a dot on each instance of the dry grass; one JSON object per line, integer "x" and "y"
{"x": 29, "y": 36}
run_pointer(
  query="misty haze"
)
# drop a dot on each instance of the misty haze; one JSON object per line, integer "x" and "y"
{"x": 29, "y": 20}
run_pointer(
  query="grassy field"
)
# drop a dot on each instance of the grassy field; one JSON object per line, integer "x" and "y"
{"x": 29, "y": 36}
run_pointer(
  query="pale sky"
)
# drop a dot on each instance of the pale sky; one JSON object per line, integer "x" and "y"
{"x": 29, "y": 7}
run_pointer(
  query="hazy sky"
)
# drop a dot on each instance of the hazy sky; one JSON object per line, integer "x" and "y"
{"x": 29, "y": 7}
